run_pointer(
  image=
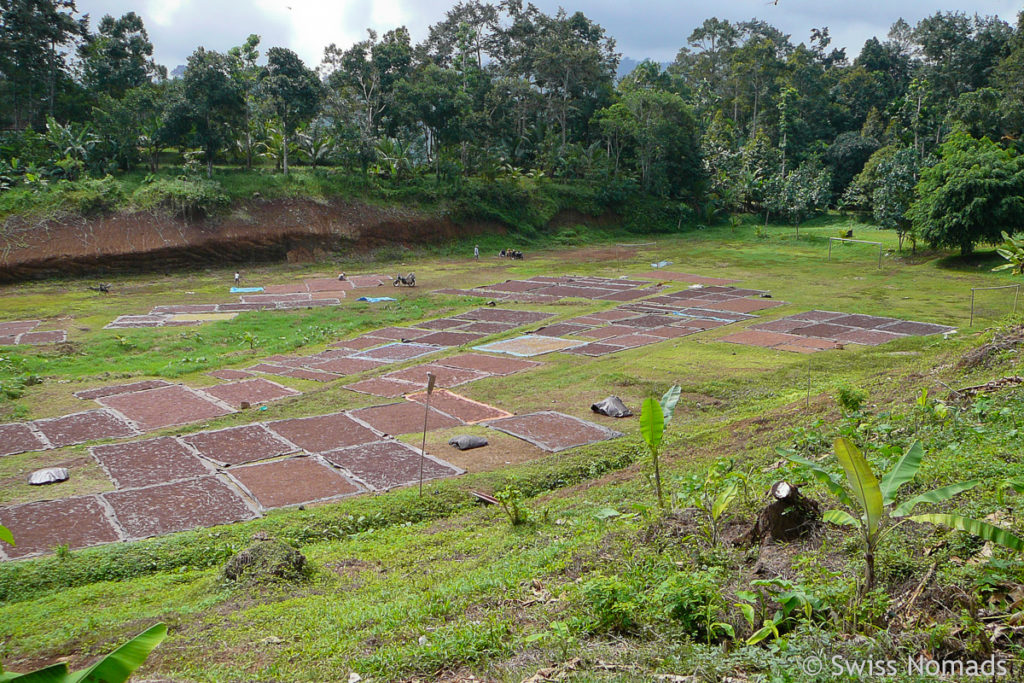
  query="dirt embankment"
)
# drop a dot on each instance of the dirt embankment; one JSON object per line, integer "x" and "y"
{"x": 259, "y": 230}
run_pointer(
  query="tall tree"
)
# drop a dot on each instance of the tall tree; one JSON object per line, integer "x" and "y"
{"x": 292, "y": 92}
{"x": 214, "y": 102}
{"x": 973, "y": 194}
{"x": 35, "y": 37}
{"x": 661, "y": 133}
{"x": 246, "y": 75}
{"x": 367, "y": 72}
{"x": 118, "y": 56}
{"x": 475, "y": 19}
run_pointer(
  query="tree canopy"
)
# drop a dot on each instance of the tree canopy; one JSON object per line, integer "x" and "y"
{"x": 746, "y": 118}
{"x": 973, "y": 194}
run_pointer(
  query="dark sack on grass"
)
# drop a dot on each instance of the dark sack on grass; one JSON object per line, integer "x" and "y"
{"x": 612, "y": 407}
{"x": 467, "y": 441}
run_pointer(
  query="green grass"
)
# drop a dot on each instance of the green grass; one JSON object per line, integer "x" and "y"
{"x": 403, "y": 586}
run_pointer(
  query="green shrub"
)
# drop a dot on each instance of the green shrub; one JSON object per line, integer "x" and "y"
{"x": 511, "y": 500}
{"x": 851, "y": 399}
{"x": 91, "y": 197}
{"x": 694, "y": 601}
{"x": 613, "y": 602}
{"x": 646, "y": 215}
{"x": 181, "y": 197}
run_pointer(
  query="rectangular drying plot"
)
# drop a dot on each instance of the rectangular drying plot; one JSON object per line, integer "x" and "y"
{"x": 293, "y": 481}
{"x": 239, "y": 445}
{"x": 178, "y": 506}
{"x": 165, "y": 407}
{"x": 383, "y": 465}
{"x": 553, "y": 431}
{"x": 530, "y": 345}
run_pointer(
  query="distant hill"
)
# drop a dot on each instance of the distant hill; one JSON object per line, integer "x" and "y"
{"x": 627, "y": 64}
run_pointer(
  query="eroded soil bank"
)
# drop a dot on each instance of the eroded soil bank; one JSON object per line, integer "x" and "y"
{"x": 295, "y": 230}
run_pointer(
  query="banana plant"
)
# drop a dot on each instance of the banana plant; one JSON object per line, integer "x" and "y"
{"x": 116, "y": 667}
{"x": 654, "y": 415}
{"x": 875, "y": 501}
{"x": 1013, "y": 251}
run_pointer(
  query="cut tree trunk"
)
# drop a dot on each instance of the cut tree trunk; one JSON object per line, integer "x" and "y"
{"x": 787, "y": 517}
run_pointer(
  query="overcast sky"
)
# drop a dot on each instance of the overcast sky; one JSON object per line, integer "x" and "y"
{"x": 649, "y": 28}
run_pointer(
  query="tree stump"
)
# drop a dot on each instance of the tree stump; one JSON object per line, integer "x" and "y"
{"x": 788, "y": 517}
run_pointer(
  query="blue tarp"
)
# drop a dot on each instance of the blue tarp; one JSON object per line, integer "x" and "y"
{"x": 245, "y": 290}
{"x": 374, "y": 299}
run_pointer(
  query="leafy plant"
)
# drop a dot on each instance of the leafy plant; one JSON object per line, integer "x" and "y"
{"x": 1013, "y": 251}
{"x": 124, "y": 342}
{"x": 935, "y": 410}
{"x": 511, "y": 500}
{"x": 851, "y": 399}
{"x": 559, "y": 633}
{"x": 5, "y": 535}
{"x": 613, "y": 601}
{"x": 654, "y": 415}
{"x": 874, "y": 501}
{"x": 796, "y": 602}
{"x": 695, "y": 600}
{"x": 712, "y": 495}
{"x": 248, "y": 337}
{"x": 116, "y": 667}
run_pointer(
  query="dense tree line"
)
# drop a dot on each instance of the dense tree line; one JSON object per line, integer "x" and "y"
{"x": 744, "y": 119}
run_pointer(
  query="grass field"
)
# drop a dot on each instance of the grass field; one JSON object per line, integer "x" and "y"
{"x": 438, "y": 588}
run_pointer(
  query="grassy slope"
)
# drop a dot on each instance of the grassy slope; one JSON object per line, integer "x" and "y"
{"x": 481, "y": 592}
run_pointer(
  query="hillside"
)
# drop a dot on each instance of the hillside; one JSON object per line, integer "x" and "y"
{"x": 597, "y": 583}
{"x": 122, "y": 225}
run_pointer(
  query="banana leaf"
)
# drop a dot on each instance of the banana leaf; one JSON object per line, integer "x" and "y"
{"x": 984, "y": 530}
{"x": 724, "y": 499}
{"x": 669, "y": 401}
{"x": 1017, "y": 484}
{"x": 56, "y": 673}
{"x": 841, "y": 517}
{"x": 652, "y": 423}
{"x": 934, "y": 496}
{"x": 119, "y": 664}
{"x": 902, "y": 472}
{"x": 820, "y": 474}
{"x": 862, "y": 482}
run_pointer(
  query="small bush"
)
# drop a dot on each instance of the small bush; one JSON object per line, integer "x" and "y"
{"x": 182, "y": 198}
{"x": 613, "y": 602}
{"x": 851, "y": 399}
{"x": 91, "y": 197}
{"x": 694, "y": 601}
{"x": 511, "y": 500}
{"x": 649, "y": 216}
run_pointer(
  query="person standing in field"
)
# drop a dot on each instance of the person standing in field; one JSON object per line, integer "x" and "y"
{"x": 476, "y": 251}
{"x": 238, "y": 278}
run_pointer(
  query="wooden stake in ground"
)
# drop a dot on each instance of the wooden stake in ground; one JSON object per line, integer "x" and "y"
{"x": 431, "y": 378}
{"x": 808, "y": 404}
